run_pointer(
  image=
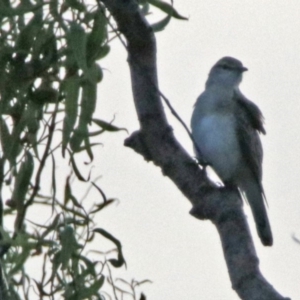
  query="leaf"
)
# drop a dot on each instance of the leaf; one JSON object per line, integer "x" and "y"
{"x": 53, "y": 5}
{"x": 97, "y": 36}
{"x": 88, "y": 148}
{"x": 6, "y": 11}
{"x": 71, "y": 88}
{"x": 10, "y": 142}
{"x": 5, "y": 138}
{"x": 145, "y": 8}
{"x": 42, "y": 96}
{"x": 76, "y": 37}
{"x": 19, "y": 259}
{"x": 77, "y": 173}
{"x": 83, "y": 148}
{"x": 27, "y": 35}
{"x": 69, "y": 195}
{"x": 88, "y": 105}
{"x": 30, "y": 118}
{"x": 102, "y": 205}
{"x": 67, "y": 191}
{"x": 45, "y": 44}
{"x": 103, "y": 51}
{"x": 78, "y": 136}
{"x": 95, "y": 73}
{"x": 69, "y": 246}
{"x": 95, "y": 133}
{"x": 167, "y": 8}
{"x": 22, "y": 182}
{"x": 88, "y": 102}
{"x": 107, "y": 126}
{"x": 159, "y": 26}
{"x": 90, "y": 266}
{"x": 117, "y": 263}
{"x": 100, "y": 191}
{"x": 16, "y": 146}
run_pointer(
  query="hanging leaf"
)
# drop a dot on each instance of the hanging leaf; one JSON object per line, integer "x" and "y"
{"x": 107, "y": 126}
{"x": 95, "y": 73}
{"x": 97, "y": 36}
{"x": 88, "y": 105}
{"x": 71, "y": 87}
{"x": 167, "y": 8}
{"x": 5, "y": 138}
{"x": 53, "y": 5}
{"x": 95, "y": 133}
{"x": 67, "y": 191}
{"x": 22, "y": 182}
{"x": 103, "y": 51}
{"x": 69, "y": 246}
{"x": 44, "y": 95}
{"x": 30, "y": 117}
{"x": 77, "y": 173}
{"x": 16, "y": 146}
{"x": 83, "y": 148}
{"x": 76, "y": 37}
{"x": 20, "y": 258}
{"x": 45, "y": 44}
{"x": 27, "y": 35}
{"x": 69, "y": 195}
{"x": 159, "y": 26}
{"x": 145, "y": 8}
{"x": 102, "y": 205}
{"x": 117, "y": 263}
{"x": 90, "y": 266}
{"x": 6, "y": 11}
{"x": 88, "y": 148}
{"x": 100, "y": 191}
{"x": 78, "y": 136}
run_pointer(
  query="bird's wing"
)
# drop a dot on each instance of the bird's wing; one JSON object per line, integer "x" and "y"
{"x": 255, "y": 115}
{"x": 249, "y": 124}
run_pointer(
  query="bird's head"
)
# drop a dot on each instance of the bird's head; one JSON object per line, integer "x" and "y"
{"x": 227, "y": 71}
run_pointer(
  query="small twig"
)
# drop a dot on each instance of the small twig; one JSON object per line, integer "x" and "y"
{"x": 112, "y": 282}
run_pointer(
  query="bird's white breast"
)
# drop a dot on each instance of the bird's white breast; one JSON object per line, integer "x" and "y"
{"x": 216, "y": 138}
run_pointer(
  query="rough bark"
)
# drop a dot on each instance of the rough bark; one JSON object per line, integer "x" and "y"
{"x": 155, "y": 142}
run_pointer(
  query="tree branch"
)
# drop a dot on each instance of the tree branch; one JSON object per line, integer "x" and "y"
{"x": 155, "y": 142}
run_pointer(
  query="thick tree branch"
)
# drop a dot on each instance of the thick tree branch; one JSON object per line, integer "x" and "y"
{"x": 156, "y": 142}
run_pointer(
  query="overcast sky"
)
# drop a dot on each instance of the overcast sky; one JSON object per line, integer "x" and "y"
{"x": 162, "y": 242}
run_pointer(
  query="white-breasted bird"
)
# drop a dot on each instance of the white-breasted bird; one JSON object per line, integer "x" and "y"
{"x": 225, "y": 127}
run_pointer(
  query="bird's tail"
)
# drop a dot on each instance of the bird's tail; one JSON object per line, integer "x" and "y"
{"x": 255, "y": 196}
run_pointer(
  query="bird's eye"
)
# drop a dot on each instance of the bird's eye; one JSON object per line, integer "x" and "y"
{"x": 226, "y": 67}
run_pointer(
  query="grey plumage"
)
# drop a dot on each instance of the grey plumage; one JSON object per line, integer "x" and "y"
{"x": 225, "y": 127}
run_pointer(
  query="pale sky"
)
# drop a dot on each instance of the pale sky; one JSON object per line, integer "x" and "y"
{"x": 161, "y": 241}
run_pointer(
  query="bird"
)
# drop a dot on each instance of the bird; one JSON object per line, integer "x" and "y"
{"x": 225, "y": 129}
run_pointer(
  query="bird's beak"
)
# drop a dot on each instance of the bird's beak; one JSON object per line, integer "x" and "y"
{"x": 244, "y": 69}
